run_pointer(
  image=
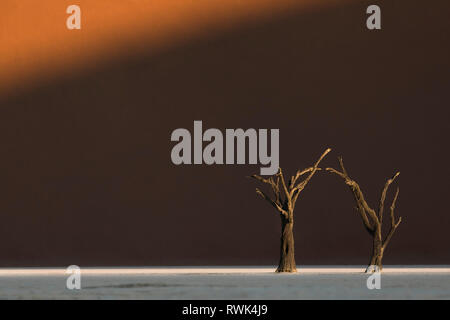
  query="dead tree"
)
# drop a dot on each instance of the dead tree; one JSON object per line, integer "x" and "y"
{"x": 372, "y": 220}
{"x": 284, "y": 198}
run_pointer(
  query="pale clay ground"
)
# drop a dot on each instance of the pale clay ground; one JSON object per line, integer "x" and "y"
{"x": 412, "y": 282}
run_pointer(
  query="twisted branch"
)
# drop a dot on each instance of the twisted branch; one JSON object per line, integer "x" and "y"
{"x": 286, "y": 196}
{"x": 372, "y": 225}
{"x": 383, "y": 196}
{"x": 363, "y": 208}
{"x": 394, "y": 225}
{"x": 300, "y": 186}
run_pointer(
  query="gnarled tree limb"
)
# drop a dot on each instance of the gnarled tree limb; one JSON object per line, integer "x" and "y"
{"x": 383, "y": 196}
{"x": 301, "y": 185}
{"x": 363, "y": 208}
{"x": 275, "y": 204}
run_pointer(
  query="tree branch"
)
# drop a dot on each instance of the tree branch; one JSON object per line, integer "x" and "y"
{"x": 272, "y": 202}
{"x": 286, "y": 206}
{"x": 297, "y": 189}
{"x": 315, "y": 168}
{"x": 343, "y": 176}
{"x": 394, "y": 225}
{"x": 359, "y": 197}
{"x": 383, "y": 196}
{"x": 363, "y": 207}
{"x": 341, "y": 163}
{"x": 283, "y": 183}
{"x": 299, "y": 174}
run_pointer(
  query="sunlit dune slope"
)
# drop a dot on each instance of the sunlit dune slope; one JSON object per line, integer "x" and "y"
{"x": 35, "y": 42}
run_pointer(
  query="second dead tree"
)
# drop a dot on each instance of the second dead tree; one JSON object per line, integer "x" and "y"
{"x": 372, "y": 220}
{"x": 283, "y": 200}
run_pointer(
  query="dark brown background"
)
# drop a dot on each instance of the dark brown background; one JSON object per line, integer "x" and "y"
{"x": 85, "y": 170}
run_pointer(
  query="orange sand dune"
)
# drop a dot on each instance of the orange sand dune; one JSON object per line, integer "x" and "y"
{"x": 35, "y": 42}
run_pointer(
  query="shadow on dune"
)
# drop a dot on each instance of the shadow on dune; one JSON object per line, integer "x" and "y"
{"x": 86, "y": 176}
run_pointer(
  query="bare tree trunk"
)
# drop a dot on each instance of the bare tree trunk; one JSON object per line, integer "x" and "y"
{"x": 283, "y": 200}
{"x": 287, "y": 252}
{"x": 377, "y": 254}
{"x": 372, "y": 220}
